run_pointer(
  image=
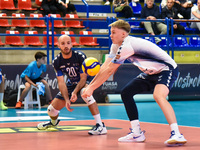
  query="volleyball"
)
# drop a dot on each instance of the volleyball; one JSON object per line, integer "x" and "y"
{"x": 91, "y": 66}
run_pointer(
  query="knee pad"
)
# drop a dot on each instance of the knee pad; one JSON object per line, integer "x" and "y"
{"x": 52, "y": 111}
{"x": 89, "y": 100}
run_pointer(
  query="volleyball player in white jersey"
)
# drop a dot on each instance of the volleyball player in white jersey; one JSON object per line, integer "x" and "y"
{"x": 159, "y": 73}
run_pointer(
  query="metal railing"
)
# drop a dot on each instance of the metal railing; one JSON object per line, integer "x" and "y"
{"x": 168, "y": 22}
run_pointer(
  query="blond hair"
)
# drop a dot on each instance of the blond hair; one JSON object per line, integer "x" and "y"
{"x": 121, "y": 24}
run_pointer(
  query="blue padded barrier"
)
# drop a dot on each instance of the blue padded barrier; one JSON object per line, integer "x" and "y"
{"x": 94, "y": 8}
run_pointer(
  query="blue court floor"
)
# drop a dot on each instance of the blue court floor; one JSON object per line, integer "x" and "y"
{"x": 187, "y": 113}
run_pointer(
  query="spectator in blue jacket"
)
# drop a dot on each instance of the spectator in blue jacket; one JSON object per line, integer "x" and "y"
{"x": 151, "y": 12}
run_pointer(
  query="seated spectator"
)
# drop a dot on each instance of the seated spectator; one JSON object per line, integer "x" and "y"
{"x": 186, "y": 6}
{"x": 69, "y": 6}
{"x": 177, "y": 4}
{"x": 151, "y": 12}
{"x": 195, "y": 15}
{"x": 53, "y": 7}
{"x": 171, "y": 12}
{"x": 32, "y": 74}
{"x": 123, "y": 7}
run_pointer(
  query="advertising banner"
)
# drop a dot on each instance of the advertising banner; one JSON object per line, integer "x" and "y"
{"x": 187, "y": 85}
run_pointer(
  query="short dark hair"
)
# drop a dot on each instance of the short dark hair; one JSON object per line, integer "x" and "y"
{"x": 39, "y": 55}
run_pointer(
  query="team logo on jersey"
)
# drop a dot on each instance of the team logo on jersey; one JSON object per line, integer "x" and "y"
{"x": 117, "y": 56}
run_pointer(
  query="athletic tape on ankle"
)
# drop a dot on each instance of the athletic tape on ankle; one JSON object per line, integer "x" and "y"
{"x": 89, "y": 100}
{"x": 52, "y": 111}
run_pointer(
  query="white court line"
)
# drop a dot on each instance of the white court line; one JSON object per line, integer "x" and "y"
{"x": 31, "y": 112}
{"x": 30, "y": 118}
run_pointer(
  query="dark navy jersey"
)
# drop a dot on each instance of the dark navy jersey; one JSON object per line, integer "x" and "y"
{"x": 70, "y": 67}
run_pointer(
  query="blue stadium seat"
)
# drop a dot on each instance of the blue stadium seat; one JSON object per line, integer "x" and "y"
{"x": 163, "y": 43}
{"x": 137, "y": 8}
{"x": 151, "y": 39}
{"x": 180, "y": 41}
{"x": 134, "y": 24}
{"x": 194, "y": 41}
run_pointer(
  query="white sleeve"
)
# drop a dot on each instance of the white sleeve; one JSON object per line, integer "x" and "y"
{"x": 113, "y": 50}
{"x": 123, "y": 52}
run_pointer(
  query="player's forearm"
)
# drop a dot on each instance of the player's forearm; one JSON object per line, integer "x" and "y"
{"x": 79, "y": 86}
{"x": 29, "y": 80}
{"x": 101, "y": 77}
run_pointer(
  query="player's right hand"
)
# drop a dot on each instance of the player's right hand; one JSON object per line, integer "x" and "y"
{"x": 68, "y": 106}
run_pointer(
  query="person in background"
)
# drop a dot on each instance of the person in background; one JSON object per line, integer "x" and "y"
{"x": 159, "y": 72}
{"x": 195, "y": 15}
{"x": 69, "y": 62}
{"x": 126, "y": 9}
{"x": 32, "y": 74}
{"x": 171, "y": 12}
{"x": 186, "y": 6}
{"x": 53, "y": 7}
{"x": 69, "y": 6}
{"x": 2, "y": 106}
{"x": 151, "y": 12}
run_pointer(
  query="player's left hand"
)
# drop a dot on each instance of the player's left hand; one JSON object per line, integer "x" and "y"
{"x": 87, "y": 92}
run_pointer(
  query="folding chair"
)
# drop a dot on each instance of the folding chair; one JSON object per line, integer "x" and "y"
{"x": 32, "y": 40}
{"x": 25, "y": 5}
{"x": 37, "y": 23}
{"x": 89, "y": 41}
{"x": 136, "y": 7}
{"x": 57, "y": 23}
{"x": 73, "y": 23}
{"x": 38, "y": 2}
{"x": 180, "y": 41}
{"x": 7, "y": 4}
{"x": 4, "y": 22}
{"x": 13, "y": 40}
{"x": 151, "y": 39}
{"x": 163, "y": 43}
{"x": 18, "y": 22}
{"x": 194, "y": 41}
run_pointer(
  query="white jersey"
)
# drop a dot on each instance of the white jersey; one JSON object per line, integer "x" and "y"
{"x": 147, "y": 56}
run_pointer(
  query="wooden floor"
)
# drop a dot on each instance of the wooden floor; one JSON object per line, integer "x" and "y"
{"x": 72, "y": 135}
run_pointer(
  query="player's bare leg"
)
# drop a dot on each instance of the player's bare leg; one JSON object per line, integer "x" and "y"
{"x": 53, "y": 112}
{"x": 23, "y": 95}
{"x": 160, "y": 93}
{"x": 99, "y": 128}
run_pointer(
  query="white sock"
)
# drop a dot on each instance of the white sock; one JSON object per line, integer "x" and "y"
{"x": 98, "y": 119}
{"x": 54, "y": 121}
{"x": 135, "y": 125}
{"x": 174, "y": 127}
{"x": 1, "y": 96}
